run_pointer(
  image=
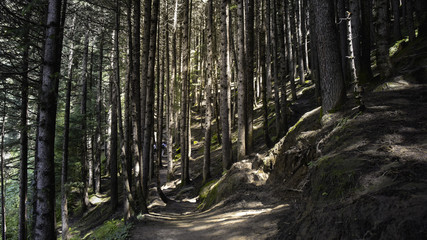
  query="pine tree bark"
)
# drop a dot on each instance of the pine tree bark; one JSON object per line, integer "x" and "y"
{"x": 129, "y": 205}
{"x": 365, "y": 73}
{"x": 149, "y": 118}
{"x": 225, "y": 93}
{"x": 331, "y": 80}
{"x": 171, "y": 94}
{"x": 241, "y": 98}
{"x": 314, "y": 55}
{"x": 160, "y": 104}
{"x": 128, "y": 110}
{"x": 97, "y": 163}
{"x": 249, "y": 60}
{"x": 265, "y": 60}
{"x": 2, "y": 166}
{"x": 282, "y": 67}
{"x": 126, "y": 131}
{"x": 306, "y": 32}
{"x": 383, "y": 57}
{"x": 354, "y": 7}
{"x": 23, "y": 175}
{"x": 300, "y": 49}
{"x": 341, "y": 14}
{"x": 185, "y": 178}
{"x": 409, "y": 17}
{"x": 136, "y": 103}
{"x": 83, "y": 156}
{"x": 115, "y": 85}
{"x": 397, "y": 35}
{"x": 45, "y": 211}
{"x": 274, "y": 39}
{"x": 144, "y": 67}
{"x": 64, "y": 173}
{"x": 291, "y": 46}
{"x": 208, "y": 94}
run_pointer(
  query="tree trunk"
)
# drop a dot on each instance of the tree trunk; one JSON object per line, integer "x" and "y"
{"x": 45, "y": 212}
{"x": 341, "y": 12}
{"x": 91, "y": 132}
{"x": 34, "y": 183}
{"x": 125, "y": 131}
{"x": 291, "y": 42}
{"x": 355, "y": 29}
{"x": 300, "y": 41}
{"x": 208, "y": 94}
{"x": 23, "y": 174}
{"x": 136, "y": 103}
{"x": 225, "y": 94}
{"x": 305, "y": 34}
{"x": 241, "y": 99}
{"x": 266, "y": 68}
{"x": 409, "y": 17}
{"x": 149, "y": 118}
{"x": 171, "y": 94}
{"x": 115, "y": 85}
{"x": 331, "y": 79}
{"x": 97, "y": 163}
{"x": 160, "y": 101}
{"x": 249, "y": 77}
{"x": 383, "y": 57}
{"x": 145, "y": 70}
{"x": 422, "y": 18}
{"x": 365, "y": 52}
{"x": 2, "y": 166}
{"x": 275, "y": 72}
{"x": 397, "y": 35}
{"x": 83, "y": 156}
{"x": 314, "y": 55}
{"x": 282, "y": 68}
{"x": 64, "y": 173}
{"x": 128, "y": 110}
{"x": 355, "y": 81}
{"x": 185, "y": 178}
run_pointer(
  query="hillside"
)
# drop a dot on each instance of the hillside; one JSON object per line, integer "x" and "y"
{"x": 346, "y": 175}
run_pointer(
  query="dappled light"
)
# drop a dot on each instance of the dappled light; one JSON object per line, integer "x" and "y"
{"x": 191, "y": 120}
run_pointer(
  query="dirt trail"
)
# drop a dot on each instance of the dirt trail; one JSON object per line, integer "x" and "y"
{"x": 180, "y": 219}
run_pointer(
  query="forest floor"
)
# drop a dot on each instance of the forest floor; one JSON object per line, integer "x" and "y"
{"x": 345, "y": 175}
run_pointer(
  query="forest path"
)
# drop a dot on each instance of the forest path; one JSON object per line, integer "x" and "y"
{"x": 181, "y": 219}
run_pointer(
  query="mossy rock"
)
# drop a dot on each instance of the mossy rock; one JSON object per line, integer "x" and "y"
{"x": 308, "y": 122}
{"x": 240, "y": 175}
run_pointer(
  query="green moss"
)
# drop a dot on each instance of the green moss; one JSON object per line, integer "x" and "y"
{"x": 210, "y": 198}
{"x": 114, "y": 229}
{"x": 334, "y": 177}
{"x": 205, "y": 189}
{"x": 397, "y": 46}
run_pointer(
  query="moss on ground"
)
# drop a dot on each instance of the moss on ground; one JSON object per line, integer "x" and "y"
{"x": 113, "y": 229}
{"x": 334, "y": 177}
